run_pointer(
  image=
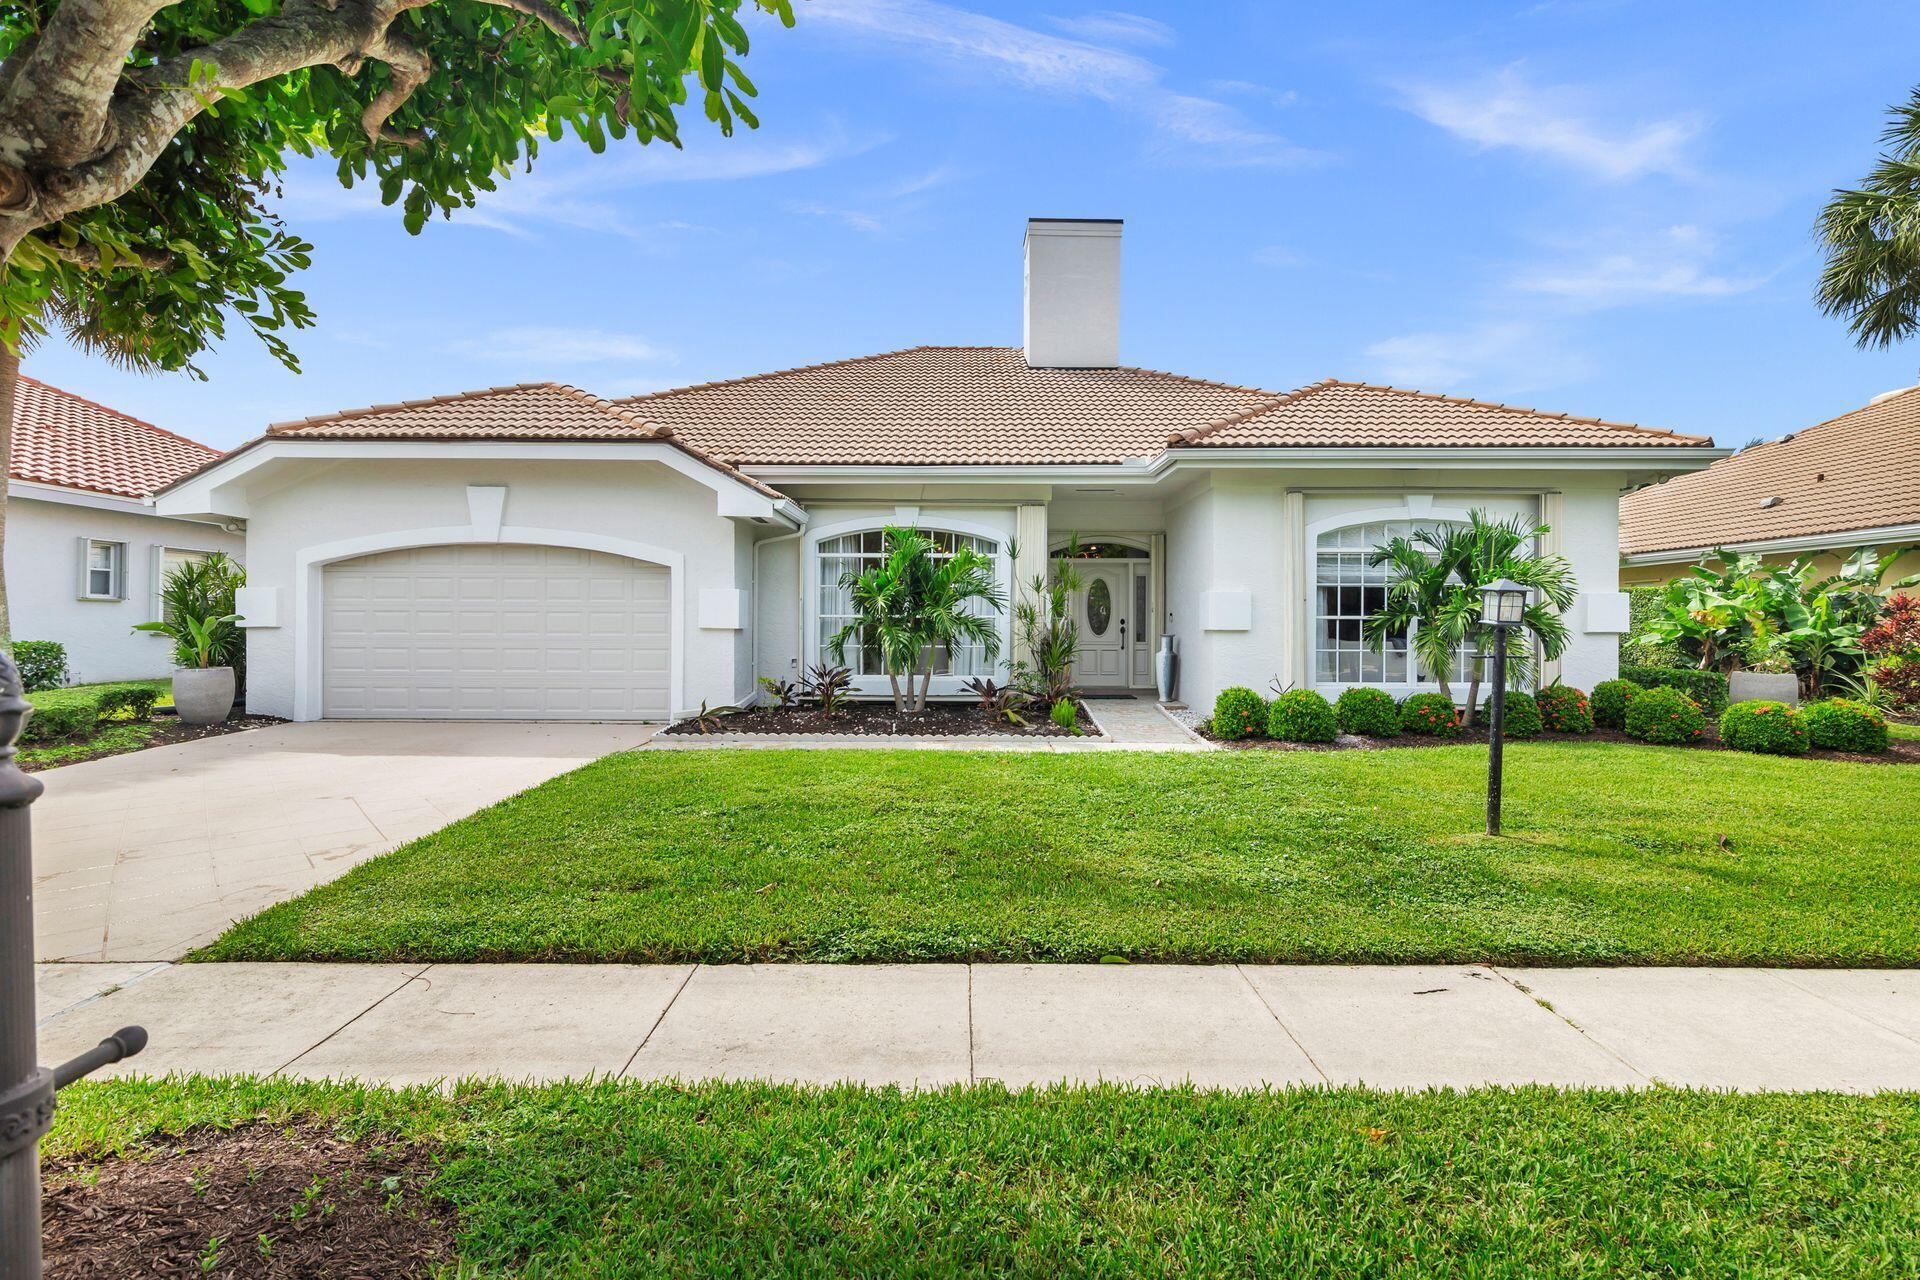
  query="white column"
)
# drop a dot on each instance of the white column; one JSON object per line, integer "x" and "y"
{"x": 1552, "y": 512}
{"x": 1293, "y": 656}
{"x": 1030, "y": 534}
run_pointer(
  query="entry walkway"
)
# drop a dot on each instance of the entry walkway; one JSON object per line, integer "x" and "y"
{"x": 1232, "y": 1026}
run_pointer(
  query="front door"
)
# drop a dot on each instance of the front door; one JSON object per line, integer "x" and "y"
{"x": 1104, "y": 606}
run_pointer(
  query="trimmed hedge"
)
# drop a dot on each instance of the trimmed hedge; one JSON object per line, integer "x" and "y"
{"x": 1522, "y": 715}
{"x": 75, "y": 712}
{"x": 50, "y": 720}
{"x": 1665, "y": 716}
{"x": 1644, "y": 604}
{"x": 1843, "y": 724}
{"x": 1238, "y": 712}
{"x": 1564, "y": 709}
{"x": 1769, "y": 728}
{"x": 126, "y": 702}
{"x": 1371, "y": 712}
{"x": 42, "y": 664}
{"x": 1431, "y": 715}
{"x": 1610, "y": 701}
{"x": 1301, "y": 715}
{"x": 1708, "y": 688}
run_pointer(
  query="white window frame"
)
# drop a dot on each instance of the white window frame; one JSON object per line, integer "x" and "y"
{"x": 943, "y": 686}
{"x": 117, "y": 569}
{"x": 158, "y": 573}
{"x": 1412, "y": 514}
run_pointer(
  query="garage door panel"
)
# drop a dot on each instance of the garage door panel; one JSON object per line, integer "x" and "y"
{"x": 506, "y": 632}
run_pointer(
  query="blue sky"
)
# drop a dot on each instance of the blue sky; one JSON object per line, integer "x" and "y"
{"x": 1584, "y": 206}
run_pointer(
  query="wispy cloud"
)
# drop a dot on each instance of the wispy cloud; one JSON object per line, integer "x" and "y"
{"x": 1676, "y": 263}
{"x": 1557, "y": 123}
{"x": 1248, "y": 89}
{"x": 1502, "y": 358}
{"x": 538, "y": 347}
{"x": 1111, "y": 26}
{"x": 857, "y": 219}
{"x": 1186, "y": 128}
{"x": 571, "y": 190}
{"x": 1275, "y": 255}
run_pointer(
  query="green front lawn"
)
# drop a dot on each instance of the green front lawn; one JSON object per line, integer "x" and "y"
{"x": 618, "y": 1180}
{"x": 111, "y": 736}
{"x": 1614, "y": 855}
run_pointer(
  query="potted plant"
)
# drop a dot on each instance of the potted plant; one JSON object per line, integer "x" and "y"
{"x": 198, "y": 616}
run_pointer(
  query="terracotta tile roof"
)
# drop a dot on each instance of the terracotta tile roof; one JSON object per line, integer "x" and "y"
{"x": 1336, "y": 414}
{"x": 1860, "y": 470}
{"x": 60, "y": 438}
{"x": 984, "y": 405}
{"x": 526, "y": 411}
{"x": 943, "y": 405}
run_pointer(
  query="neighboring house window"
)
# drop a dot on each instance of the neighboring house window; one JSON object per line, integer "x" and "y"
{"x": 1347, "y": 592}
{"x": 857, "y": 552}
{"x": 103, "y": 570}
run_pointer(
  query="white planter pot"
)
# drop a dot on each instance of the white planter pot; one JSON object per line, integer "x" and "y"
{"x": 203, "y": 695}
{"x": 1763, "y": 686}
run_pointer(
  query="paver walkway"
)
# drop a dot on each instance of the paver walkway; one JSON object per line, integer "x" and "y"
{"x": 923, "y": 1025}
{"x": 146, "y": 855}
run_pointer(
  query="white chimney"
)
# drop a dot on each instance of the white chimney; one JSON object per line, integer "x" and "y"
{"x": 1073, "y": 293}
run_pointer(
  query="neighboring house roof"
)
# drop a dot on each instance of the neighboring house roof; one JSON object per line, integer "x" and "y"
{"x": 985, "y": 405}
{"x": 61, "y": 439}
{"x": 1860, "y": 470}
{"x": 527, "y": 411}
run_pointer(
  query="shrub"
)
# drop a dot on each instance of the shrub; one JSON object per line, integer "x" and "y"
{"x": 1611, "y": 699}
{"x": 125, "y": 701}
{"x": 1644, "y": 605}
{"x": 1665, "y": 715}
{"x": 42, "y": 663}
{"x": 1897, "y": 631}
{"x": 1065, "y": 715}
{"x": 1898, "y": 677}
{"x": 1770, "y": 728}
{"x": 1301, "y": 715}
{"x": 1708, "y": 688}
{"x": 1522, "y": 715}
{"x": 1238, "y": 712}
{"x": 1564, "y": 709}
{"x": 1842, "y": 724}
{"x": 1372, "y": 712}
{"x": 66, "y": 718}
{"x": 1430, "y": 715}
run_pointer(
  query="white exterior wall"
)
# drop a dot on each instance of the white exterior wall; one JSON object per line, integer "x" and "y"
{"x": 43, "y": 583}
{"x": 1588, "y": 528}
{"x": 1189, "y": 572}
{"x": 392, "y": 501}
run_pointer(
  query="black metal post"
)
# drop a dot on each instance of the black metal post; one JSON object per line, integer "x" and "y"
{"x": 1496, "y": 728}
{"x": 26, "y": 1092}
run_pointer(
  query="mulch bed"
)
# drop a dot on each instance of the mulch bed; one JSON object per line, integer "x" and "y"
{"x": 171, "y": 731}
{"x": 1899, "y": 750}
{"x": 879, "y": 719}
{"x": 280, "y": 1201}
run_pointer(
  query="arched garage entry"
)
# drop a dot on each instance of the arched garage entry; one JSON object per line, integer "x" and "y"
{"x": 496, "y": 631}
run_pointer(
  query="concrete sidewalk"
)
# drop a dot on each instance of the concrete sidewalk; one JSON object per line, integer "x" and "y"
{"x": 1233, "y": 1026}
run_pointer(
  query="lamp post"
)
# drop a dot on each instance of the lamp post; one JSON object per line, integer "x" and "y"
{"x": 1502, "y": 604}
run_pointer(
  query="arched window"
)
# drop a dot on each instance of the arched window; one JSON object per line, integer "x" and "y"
{"x": 859, "y": 551}
{"x": 1347, "y": 591}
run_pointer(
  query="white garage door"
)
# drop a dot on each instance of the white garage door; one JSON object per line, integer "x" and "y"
{"x": 495, "y": 633}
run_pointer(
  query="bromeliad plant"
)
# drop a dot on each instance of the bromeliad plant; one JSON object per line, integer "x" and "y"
{"x": 914, "y": 605}
{"x": 1433, "y": 593}
{"x": 828, "y": 686}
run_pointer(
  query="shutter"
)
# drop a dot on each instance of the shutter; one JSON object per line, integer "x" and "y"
{"x": 80, "y": 586}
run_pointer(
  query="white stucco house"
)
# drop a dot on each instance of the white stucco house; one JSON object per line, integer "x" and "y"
{"x": 85, "y": 550}
{"x": 534, "y": 551}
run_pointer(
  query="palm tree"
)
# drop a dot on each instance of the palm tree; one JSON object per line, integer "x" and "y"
{"x": 884, "y": 607}
{"x": 1433, "y": 591}
{"x": 1871, "y": 235}
{"x": 946, "y": 615}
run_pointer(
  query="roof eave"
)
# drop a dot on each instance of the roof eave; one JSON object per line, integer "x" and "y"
{"x": 1828, "y": 541}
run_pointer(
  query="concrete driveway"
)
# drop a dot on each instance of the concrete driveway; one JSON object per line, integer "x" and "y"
{"x": 142, "y": 857}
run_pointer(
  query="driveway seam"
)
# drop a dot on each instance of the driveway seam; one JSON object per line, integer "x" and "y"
{"x": 153, "y": 968}
{"x": 973, "y": 1077}
{"x": 671, "y": 1001}
{"x": 404, "y": 984}
{"x": 1578, "y": 1030}
{"x": 1785, "y": 976}
{"x": 1282, "y": 1024}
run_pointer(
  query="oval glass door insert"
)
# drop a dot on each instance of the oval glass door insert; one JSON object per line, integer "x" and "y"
{"x": 1099, "y": 607}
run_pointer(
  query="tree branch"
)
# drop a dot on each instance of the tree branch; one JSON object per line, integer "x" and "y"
{"x": 57, "y": 106}
{"x": 550, "y": 15}
{"x": 85, "y": 254}
{"x": 410, "y": 68}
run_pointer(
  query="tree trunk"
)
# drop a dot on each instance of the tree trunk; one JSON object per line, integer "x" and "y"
{"x": 926, "y": 683}
{"x": 9, "y": 380}
{"x": 899, "y": 703}
{"x": 1473, "y": 691}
